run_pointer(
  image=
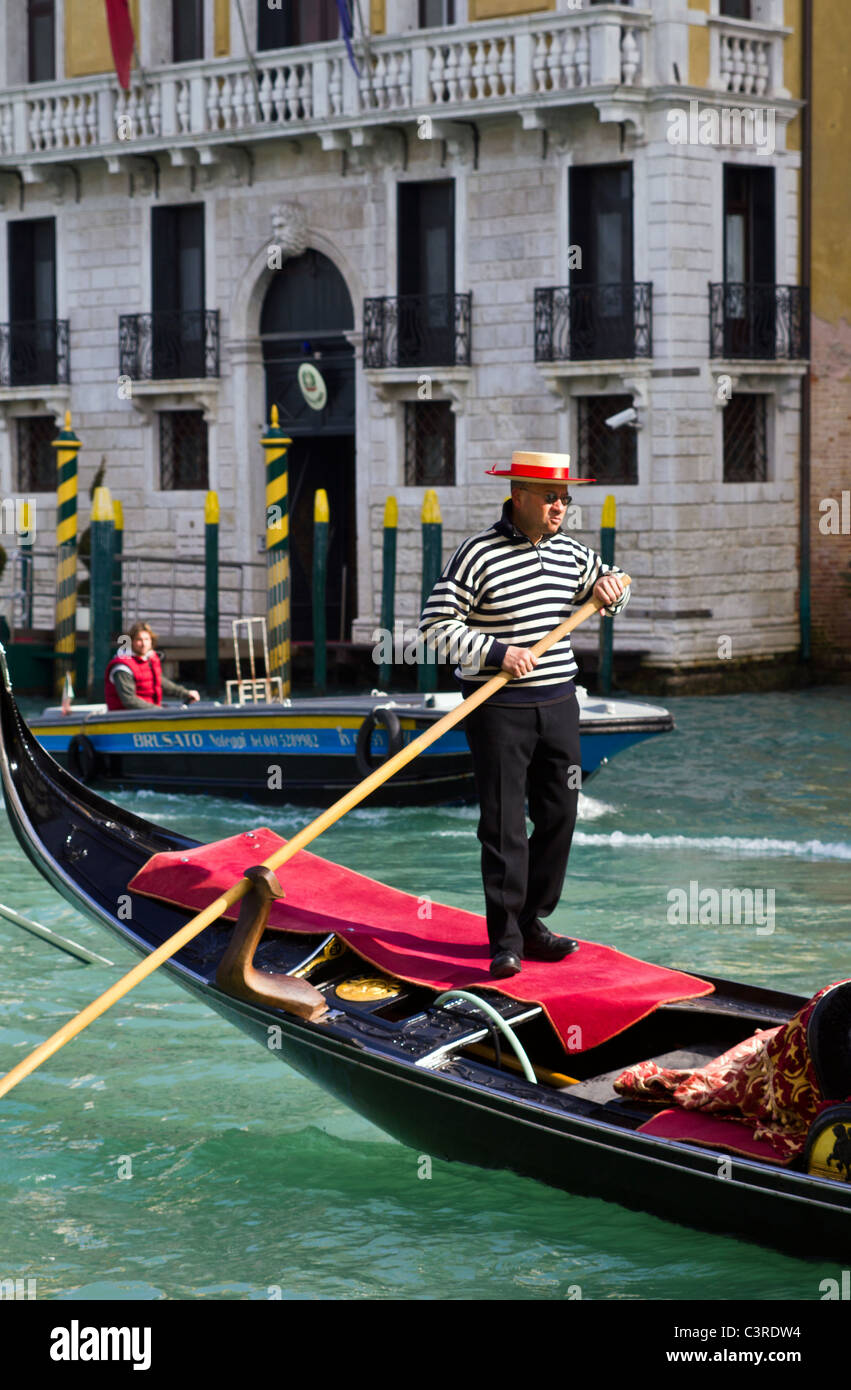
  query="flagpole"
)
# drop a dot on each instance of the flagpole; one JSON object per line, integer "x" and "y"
{"x": 366, "y": 52}
{"x": 144, "y": 77}
{"x": 255, "y": 71}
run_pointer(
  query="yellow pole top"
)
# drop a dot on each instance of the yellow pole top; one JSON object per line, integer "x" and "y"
{"x": 608, "y": 517}
{"x": 320, "y": 505}
{"x": 211, "y": 509}
{"x": 274, "y": 415}
{"x": 102, "y": 505}
{"x": 117, "y": 514}
{"x": 67, "y": 419}
{"x": 391, "y": 512}
{"x": 431, "y": 507}
{"x": 26, "y": 521}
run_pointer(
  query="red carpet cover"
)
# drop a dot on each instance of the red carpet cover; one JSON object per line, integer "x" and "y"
{"x": 711, "y": 1132}
{"x": 767, "y": 1082}
{"x": 591, "y": 996}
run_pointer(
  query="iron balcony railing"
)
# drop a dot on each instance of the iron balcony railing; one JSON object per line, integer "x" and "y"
{"x": 417, "y": 330}
{"x": 759, "y": 322}
{"x": 179, "y": 344}
{"x": 575, "y": 323}
{"x": 34, "y": 353}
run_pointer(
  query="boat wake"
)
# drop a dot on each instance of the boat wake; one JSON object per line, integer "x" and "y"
{"x": 760, "y": 847}
{"x": 592, "y": 809}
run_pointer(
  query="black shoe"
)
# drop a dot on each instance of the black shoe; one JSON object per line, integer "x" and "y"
{"x": 548, "y": 946}
{"x": 505, "y": 963}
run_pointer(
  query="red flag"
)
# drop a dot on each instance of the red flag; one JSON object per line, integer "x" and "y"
{"x": 121, "y": 37}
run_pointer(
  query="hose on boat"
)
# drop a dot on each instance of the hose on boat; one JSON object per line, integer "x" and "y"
{"x": 500, "y": 1022}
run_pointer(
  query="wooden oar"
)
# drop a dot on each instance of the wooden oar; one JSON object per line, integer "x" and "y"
{"x": 310, "y": 832}
{"x": 47, "y": 934}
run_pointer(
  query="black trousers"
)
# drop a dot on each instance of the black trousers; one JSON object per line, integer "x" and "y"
{"x": 522, "y": 751}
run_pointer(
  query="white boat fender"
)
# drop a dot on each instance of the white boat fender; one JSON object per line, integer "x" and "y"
{"x": 382, "y": 714}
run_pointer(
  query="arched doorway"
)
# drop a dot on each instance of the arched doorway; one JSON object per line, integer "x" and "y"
{"x": 306, "y": 312}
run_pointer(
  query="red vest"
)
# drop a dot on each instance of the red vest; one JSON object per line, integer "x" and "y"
{"x": 147, "y": 675}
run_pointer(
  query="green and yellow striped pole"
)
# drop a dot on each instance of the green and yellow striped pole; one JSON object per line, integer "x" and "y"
{"x": 100, "y": 625}
{"x": 607, "y": 627}
{"x": 211, "y": 593}
{"x": 388, "y": 581}
{"x": 67, "y": 447}
{"x": 321, "y": 517}
{"x": 276, "y": 444}
{"x": 432, "y": 546}
{"x": 117, "y": 571}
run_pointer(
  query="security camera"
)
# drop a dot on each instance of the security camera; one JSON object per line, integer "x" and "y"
{"x": 623, "y": 417}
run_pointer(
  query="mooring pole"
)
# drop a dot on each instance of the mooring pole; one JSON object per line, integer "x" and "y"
{"x": 432, "y": 547}
{"x": 27, "y": 537}
{"x": 117, "y": 570}
{"x": 67, "y": 447}
{"x": 211, "y": 593}
{"x": 321, "y": 518}
{"x": 388, "y": 582}
{"x": 276, "y": 444}
{"x": 100, "y": 627}
{"x": 607, "y": 555}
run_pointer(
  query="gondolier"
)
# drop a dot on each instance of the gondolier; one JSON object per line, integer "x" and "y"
{"x": 502, "y": 591}
{"x": 134, "y": 679}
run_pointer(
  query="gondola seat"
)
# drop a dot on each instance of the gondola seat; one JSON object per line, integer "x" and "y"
{"x": 829, "y": 1042}
{"x": 776, "y": 1082}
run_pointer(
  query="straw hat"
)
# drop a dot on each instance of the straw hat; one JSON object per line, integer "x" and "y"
{"x": 538, "y": 468}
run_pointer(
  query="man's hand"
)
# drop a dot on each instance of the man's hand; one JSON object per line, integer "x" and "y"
{"x": 193, "y": 696}
{"x": 608, "y": 590}
{"x": 519, "y": 661}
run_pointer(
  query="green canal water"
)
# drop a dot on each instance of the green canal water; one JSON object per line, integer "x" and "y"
{"x": 247, "y": 1182}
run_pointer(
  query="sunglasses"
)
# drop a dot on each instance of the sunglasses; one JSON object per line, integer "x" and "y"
{"x": 550, "y": 498}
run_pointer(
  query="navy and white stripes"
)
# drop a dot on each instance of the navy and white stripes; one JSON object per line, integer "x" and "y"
{"x": 501, "y": 590}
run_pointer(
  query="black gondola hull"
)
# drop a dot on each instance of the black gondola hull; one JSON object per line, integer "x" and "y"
{"x": 89, "y": 850}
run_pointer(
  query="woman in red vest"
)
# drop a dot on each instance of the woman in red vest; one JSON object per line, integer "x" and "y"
{"x": 135, "y": 679}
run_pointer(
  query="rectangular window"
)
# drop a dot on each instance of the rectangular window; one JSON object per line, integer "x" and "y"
{"x": 426, "y": 237}
{"x": 745, "y": 445}
{"x": 183, "y": 450}
{"x": 177, "y": 297}
{"x": 297, "y": 22}
{"x": 187, "y": 30}
{"x": 749, "y": 238}
{"x": 436, "y": 14}
{"x": 32, "y": 301}
{"x": 604, "y": 454}
{"x": 36, "y": 470}
{"x": 41, "y": 41}
{"x": 429, "y": 444}
{"x": 736, "y": 9}
{"x": 602, "y": 305}
{"x": 749, "y": 262}
{"x": 426, "y": 272}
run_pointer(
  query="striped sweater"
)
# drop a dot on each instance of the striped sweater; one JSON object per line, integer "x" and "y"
{"x": 501, "y": 590}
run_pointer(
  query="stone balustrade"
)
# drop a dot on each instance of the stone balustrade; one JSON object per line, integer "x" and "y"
{"x": 745, "y": 64}
{"x": 512, "y": 64}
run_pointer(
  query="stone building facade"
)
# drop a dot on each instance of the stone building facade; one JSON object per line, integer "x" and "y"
{"x": 514, "y": 222}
